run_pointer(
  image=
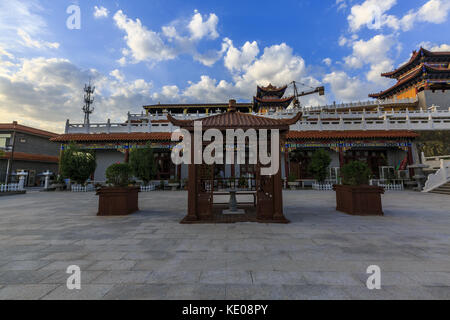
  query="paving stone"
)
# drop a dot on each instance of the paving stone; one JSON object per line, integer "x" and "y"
{"x": 24, "y": 265}
{"x": 119, "y": 277}
{"x": 23, "y": 276}
{"x": 174, "y": 277}
{"x": 137, "y": 292}
{"x": 25, "y": 291}
{"x": 321, "y": 254}
{"x": 112, "y": 265}
{"x": 87, "y": 292}
{"x": 60, "y": 277}
{"x": 226, "y": 277}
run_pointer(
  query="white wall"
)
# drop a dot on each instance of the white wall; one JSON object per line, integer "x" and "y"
{"x": 105, "y": 158}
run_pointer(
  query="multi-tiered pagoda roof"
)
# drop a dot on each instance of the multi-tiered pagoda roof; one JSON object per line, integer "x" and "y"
{"x": 271, "y": 97}
{"x": 425, "y": 70}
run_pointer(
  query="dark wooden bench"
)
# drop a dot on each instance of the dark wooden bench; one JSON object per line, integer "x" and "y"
{"x": 238, "y": 193}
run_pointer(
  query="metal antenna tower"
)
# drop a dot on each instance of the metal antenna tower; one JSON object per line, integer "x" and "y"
{"x": 88, "y": 101}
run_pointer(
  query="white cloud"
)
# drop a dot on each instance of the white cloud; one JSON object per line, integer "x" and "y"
{"x": 23, "y": 17}
{"x": 117, "y": 74}
{"x": 374, "y": 74}
{"x": 212, "y": 56}
{"x": 240, "y": 59}
{"x": 277, "y": 65}
{"x": 179, "y": 37}
{"x": 434, "y": 11}
{"x": 327, "y": 61}
{"x": 371, "y": 51}
{"x": 346, "y": 88}
{"x": 100, "y": 12}
{"x": 373, "y": 15}
{"x": 200, "y": 28}
{"x": 27, "y": 41}
{"x": 45, "y": 92}
{"x": 143, "y": 44}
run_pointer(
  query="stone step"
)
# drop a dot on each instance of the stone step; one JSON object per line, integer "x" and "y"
{"x": 437, "y": 191}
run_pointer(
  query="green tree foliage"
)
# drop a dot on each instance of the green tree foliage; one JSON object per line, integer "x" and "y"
{"x": 77, "y": 165}
{"x": 318, "y": 168}
{"x": 355, "y": 173}
{"x": 142, "y": 163}
{"x": 119, "y": 174}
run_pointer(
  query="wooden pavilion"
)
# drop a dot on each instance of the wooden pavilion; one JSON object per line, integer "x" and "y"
{"x": 201, "y": 179}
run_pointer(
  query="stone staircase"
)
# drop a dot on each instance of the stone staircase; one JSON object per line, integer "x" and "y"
{"x": 444, "y": 189}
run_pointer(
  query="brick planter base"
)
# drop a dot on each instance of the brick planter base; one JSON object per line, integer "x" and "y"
{"x": 117, "y": 201}
{"x": 359, "y": 200}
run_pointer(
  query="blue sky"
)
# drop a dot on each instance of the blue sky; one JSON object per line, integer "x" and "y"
{"x": 143, "y": 52}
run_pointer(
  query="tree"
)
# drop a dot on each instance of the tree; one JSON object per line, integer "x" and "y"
{"x": 142, "y": 163}
{"x": 320, "y": 161}
{"x": 355, "y": 173}
{"x": 77, "y": 165}
{"x": 118, "y": 174}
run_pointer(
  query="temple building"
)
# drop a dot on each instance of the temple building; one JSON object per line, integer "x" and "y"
{"x": 383, "y": 137}
{"x": 425, "y": 77}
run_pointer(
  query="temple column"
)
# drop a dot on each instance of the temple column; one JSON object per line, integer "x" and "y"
{"x": 278, "y": 191}
{"x": 286, "y": 164}
{"x": 410, "y": 161}
{"x": 341, "y": 157}
{"x": 192, "y": 187}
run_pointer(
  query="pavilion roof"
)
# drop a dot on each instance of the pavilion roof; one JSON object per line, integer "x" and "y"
{"x": 424, "y": 72}
{"x": 270, "y": 90}
{"x": 237, "y": 120}
{"x": 416, "y": 59}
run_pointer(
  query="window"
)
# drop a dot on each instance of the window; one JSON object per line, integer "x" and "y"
{"x": 4, "y": 140}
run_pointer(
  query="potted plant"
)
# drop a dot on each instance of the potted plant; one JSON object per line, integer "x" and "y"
{"x": 59, "y": 183}
{"x": 318, "y": 168}
{"x": 242, "y": 183}
{"x": 355, "y": 196}
{"x": 119, "y": 197}
{"x": 77, "y": 165}
{"x": 142, "y": 163}
{"x": 292, "y": 182}
{"x": 174, "y": 184}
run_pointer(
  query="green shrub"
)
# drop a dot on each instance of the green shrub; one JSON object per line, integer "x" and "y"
{"x": 355, "y": 173}
{"x": 119, "y": 174}
{"x": 292, "y": 178}
{"x": 142, "y": 163}
{"x": 77, "y": 165}
{"x": 318, "y": 168}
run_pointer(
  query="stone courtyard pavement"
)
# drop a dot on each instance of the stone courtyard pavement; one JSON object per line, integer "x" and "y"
{"x": 322, "y": 254}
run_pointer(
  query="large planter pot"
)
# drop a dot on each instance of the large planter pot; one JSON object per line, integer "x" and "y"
{"x": 293, "y": 185}
{"x": 361, "y": 200}
{"x": 117, "y": 201}
{"x": 174, "y": 186}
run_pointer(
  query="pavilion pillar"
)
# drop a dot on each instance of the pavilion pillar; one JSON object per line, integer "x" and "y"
{"x": 410, "y": 161}
{"x": 278, "y": 215}
{"x": 192, "y": 188}
{"x": 286, "y": 165}
{"x": 341, "y": 157}
{"x": 127, "y": 156}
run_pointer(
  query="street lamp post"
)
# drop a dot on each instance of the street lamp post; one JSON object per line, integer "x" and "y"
{"x": 11, "y": 158}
